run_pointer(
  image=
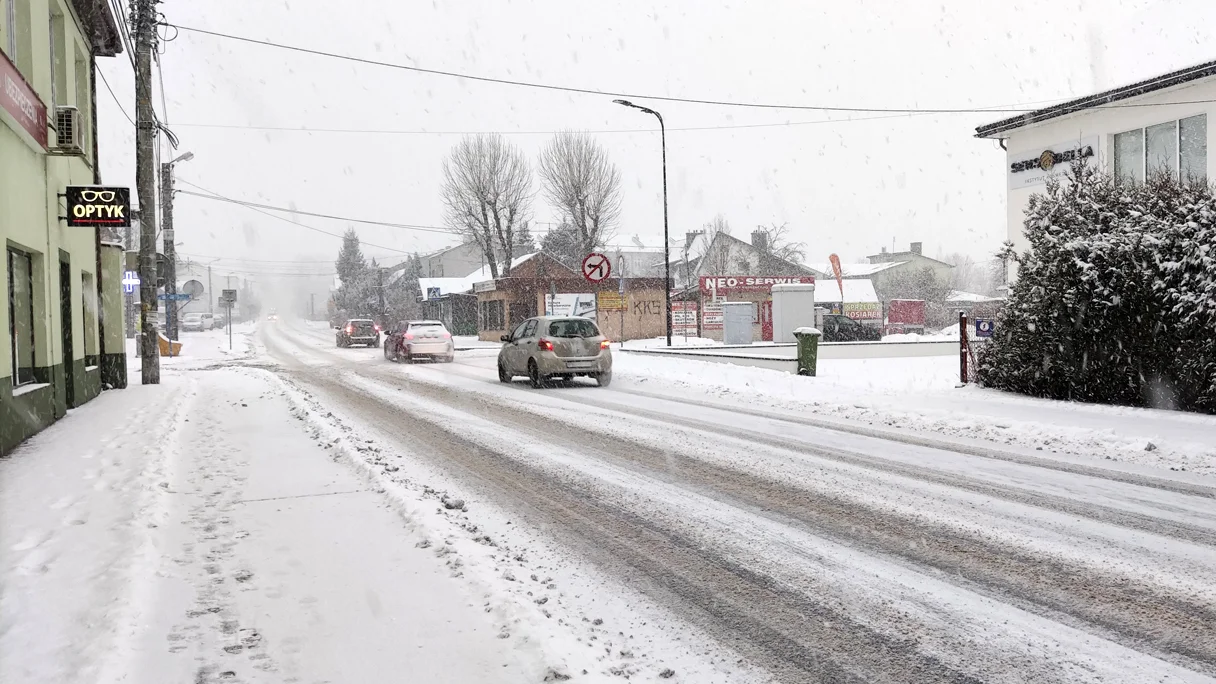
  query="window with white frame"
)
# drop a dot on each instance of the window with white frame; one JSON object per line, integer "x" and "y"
{"x": 21, "y": 315}
{"x": 1179, "y": 147}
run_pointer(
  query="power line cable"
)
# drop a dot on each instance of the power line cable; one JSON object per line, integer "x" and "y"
{"x": 116, "y": 101}
{"x": 604, "y": 131}
{"x": 429, "y": 229}
{"x": 247, "y": 205}
{"x": 659, "y": 98}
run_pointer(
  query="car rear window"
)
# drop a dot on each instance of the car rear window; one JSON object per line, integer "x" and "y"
{"x": 362, "y": 325}
{"x": 575, "y": 327}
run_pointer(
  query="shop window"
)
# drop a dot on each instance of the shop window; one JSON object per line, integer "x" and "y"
{"x": 1179, "y": 147}
{"x": 1129, "y": 156}
{"x": 59, "y": 58}
{"x": 8, "y": 27}
{"x": 21, "y": 30}
{"x": 88, "y": 308}
{"x": 491, "y": 315}
{"x": 84, "y": 104}
{"x": 21, "y": 315}
{"x": 1193, "y": 147}
{"x": 1161, "y": 148}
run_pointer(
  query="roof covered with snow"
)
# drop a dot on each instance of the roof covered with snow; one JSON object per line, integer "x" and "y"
{"x": 960, "y": 296}
{"x": 1174, "y": 78}
{"x": 852, "y": 270}
{"x": 855, "y": 291}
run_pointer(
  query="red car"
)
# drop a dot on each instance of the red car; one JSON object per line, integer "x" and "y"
{"x": 410, "y": 340}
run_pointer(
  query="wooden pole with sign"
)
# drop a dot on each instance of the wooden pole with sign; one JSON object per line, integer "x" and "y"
{"x": 962, "y": 347}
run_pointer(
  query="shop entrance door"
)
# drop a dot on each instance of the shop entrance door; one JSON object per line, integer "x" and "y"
{"x": 65, "y": 326}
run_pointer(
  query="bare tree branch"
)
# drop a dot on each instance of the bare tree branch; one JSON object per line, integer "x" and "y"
{"x": 583, "y": 185}
{"x": 487, "y": 196}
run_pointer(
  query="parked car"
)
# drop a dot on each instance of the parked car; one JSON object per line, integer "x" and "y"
{"x": 561, "y": 347}
{"x": 839, "y": 328}
{"x": 410, "y": 340}
{"x": 358, "y": 331}
{"x": 197, "y": 322}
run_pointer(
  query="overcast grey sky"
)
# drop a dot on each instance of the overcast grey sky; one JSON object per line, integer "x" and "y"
{"x": 844, "y": 186}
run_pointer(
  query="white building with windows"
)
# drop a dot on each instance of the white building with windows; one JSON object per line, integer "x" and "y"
{"x": 1131, "y": 131}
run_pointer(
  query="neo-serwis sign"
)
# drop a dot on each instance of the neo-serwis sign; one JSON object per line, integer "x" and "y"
{"x": 92, "y": 206}
{"x": 732, "y": 284}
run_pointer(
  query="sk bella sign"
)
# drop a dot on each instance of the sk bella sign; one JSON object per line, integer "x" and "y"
{"x": 1032, "y": 168}
{"x": 92, "y": 206}
{"x": 19, "y": 101}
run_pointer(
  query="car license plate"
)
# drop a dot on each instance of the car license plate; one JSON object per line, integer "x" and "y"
{"x": 578, "y": 365}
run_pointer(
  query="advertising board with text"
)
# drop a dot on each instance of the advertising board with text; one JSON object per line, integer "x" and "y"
{"x": 684, "y": 318}
{"x": 611, "y": 301}
{"x": 721, "y": 285}
{"x": 711, "y": 316}
{"x": 567, "y": 304}
{"x": 863, "y": 311}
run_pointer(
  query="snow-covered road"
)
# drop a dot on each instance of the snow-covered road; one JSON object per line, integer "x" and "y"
{"x": 782, "y": 547}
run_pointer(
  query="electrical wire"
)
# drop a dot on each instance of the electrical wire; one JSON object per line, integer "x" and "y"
{"x": 247, "y": 205}
{"x": 428, "y": 229}
{"x": 116, "y": 101}
{"x": 659, "y": 98}
{"x": 600, "y": 131}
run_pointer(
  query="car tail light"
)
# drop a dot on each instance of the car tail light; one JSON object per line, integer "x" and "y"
{"x": 350, "y": 330}
{"x": 446, "y": 334}
{"x": 604, "y": 344}
{"x": 376, "y": 327}
{"x": 409, "y": 336}
{"x": 544, "y": 345}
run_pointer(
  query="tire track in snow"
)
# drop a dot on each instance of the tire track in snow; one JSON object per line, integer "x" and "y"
{"x": 1142, "y": 619}
{"x": 1152, "y": 620}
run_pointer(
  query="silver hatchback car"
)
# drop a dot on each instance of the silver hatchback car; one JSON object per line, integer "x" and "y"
{"x": 555, "y": 347}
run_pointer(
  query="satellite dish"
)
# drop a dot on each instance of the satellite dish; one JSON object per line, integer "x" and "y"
{"x": 193, "y": 288}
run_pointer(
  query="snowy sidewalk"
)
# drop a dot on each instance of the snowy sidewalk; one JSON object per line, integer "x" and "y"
{"x": 193, "y": 531}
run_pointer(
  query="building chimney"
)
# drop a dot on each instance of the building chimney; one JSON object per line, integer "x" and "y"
{"x": 760, "y": 240}
{"x": 690, "y": 237}
{"x": 882, "y": 250}
{"x": 916, "y": 247}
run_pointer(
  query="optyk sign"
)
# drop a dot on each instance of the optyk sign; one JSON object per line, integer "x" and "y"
{"x": 90, "y": 206}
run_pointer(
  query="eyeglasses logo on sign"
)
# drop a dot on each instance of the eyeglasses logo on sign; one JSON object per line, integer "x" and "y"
{"x": 91, "y": 207}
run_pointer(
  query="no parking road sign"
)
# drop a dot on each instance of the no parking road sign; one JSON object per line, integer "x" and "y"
{"x": 596, "y": 267}
{"x": 984, "y": 327}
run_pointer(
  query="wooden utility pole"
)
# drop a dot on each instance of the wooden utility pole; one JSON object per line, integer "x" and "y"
{"x": 166, "y": 218}
{"x": 143, "y": 18}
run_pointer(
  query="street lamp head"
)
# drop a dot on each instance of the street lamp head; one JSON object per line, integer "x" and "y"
{"x": 625, "y": 103}
{"x": 183, "y": 158}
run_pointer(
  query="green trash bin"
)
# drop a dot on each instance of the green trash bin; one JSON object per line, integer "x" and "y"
{"x": 808, "y": 349}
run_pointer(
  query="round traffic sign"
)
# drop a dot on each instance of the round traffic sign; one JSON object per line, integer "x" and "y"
{"x": 596, "y": 267}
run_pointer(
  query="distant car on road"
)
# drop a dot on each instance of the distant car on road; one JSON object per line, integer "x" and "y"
{"x": 197, "y": 322}
{"x": 561, "y": 347}
{"x": 358, "y": 331}
{"x": 838, "y": 328}
{"x": 410, "y": 340}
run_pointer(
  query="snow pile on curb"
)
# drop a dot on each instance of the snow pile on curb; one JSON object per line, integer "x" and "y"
{"x": 917, "y": 394}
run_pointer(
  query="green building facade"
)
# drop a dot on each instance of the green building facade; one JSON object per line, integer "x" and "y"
{"x": 61, "y": 337}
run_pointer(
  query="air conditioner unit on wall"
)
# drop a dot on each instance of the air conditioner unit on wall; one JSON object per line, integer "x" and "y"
{"x": 69, "y": 130}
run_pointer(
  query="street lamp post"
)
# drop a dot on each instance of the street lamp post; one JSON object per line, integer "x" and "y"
{"x": 166, "y": 210}
{"x": 666, "y": 239}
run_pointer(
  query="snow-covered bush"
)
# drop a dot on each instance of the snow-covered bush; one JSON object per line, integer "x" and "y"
{"x": 1115, "y": 300}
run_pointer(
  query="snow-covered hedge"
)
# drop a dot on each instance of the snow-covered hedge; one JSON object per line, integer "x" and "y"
{"x": 1115, "y": 301}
